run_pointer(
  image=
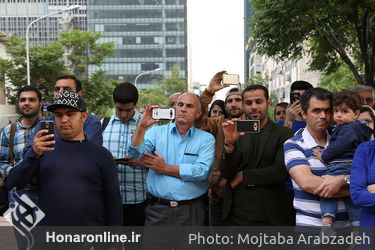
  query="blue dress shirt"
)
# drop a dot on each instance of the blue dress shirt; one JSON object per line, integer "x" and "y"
{"x": 194, "y": 154}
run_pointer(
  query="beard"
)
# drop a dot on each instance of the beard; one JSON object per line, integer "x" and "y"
{"x": 29, "y": 115}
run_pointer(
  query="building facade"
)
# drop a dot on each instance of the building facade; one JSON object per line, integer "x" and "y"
{"x": 16, "y": 15}
{"x": 149, "y": 35}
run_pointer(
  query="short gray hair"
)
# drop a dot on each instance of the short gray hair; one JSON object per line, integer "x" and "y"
{"x": 359, "y": 88}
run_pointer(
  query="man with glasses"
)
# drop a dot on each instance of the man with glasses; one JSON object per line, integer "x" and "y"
{"x": 116, "y": 135}
{"x": 366, "y": 93}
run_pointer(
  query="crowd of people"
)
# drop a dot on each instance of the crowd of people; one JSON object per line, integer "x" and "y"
{"x": 308, "y": 166}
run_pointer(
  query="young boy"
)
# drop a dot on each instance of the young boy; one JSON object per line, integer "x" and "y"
{"x": 345, "y": 138}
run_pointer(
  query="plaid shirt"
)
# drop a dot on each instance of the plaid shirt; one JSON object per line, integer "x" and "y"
{"x": 116, "y": 138}
{"x": 21, "y": 137}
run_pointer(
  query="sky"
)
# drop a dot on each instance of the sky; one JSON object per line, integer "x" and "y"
{"x": 216, "y": 29}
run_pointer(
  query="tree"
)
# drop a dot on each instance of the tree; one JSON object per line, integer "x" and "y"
{"x": 82, "y": 50}
{"x": 339, "y": 80}
{"x": 165, "y": 87}
{"x": 328, "y": 30}
{"x": 173, "y": 83}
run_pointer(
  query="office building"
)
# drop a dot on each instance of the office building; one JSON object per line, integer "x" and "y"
{"x": 149, "y": 34}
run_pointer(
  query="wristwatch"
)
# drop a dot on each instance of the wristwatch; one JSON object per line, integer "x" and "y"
{"x": 347, "y": 179}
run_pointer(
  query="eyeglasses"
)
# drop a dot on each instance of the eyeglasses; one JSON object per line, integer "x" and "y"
{"x": 280, "y": 112}
{"x": 367, "y": 99}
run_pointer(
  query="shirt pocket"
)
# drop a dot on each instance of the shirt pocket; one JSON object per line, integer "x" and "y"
{"x": 190, "y": 158}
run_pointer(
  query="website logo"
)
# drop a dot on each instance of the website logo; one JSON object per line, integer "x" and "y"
{"x": 24, "y": 215}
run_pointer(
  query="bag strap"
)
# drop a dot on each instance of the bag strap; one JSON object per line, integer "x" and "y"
{"x": 105, "y": 123}
{"x": 11, "y": 143}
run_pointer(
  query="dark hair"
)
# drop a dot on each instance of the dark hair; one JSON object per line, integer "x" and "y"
{"x": 280, "y": 104}
{"x": 125, "y": 92}
{"x": 255, "y": 87}
{"x": 318, "y": 93}
{"x": 76, "y": 81}
{"x": 350, "y": 98}
{"x": 30, "y": 88}
{"x": 300, "y": 85}
{"x": 219, "y": 103}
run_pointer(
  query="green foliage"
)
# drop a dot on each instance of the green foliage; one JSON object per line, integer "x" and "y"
{"x": 328, "y": 30}
{"x": 154, "y": 96}
{"x": 257, "y": 79}
{"x": 173, "y": 83}
{"x": 160, "y": 95}
{"x": 339, "y": 80}
{"x": 46, "y": 63}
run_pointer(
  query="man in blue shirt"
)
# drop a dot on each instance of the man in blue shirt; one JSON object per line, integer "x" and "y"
{"x": 116, "y": 136}
{"x": 180, "y": 158}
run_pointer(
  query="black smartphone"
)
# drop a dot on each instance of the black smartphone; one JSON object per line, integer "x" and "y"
{"x": 294, "y": 97}
{"x": 248, "y": 126}
{"x": 121, "y": 160}
{"x": 50, "y": 126}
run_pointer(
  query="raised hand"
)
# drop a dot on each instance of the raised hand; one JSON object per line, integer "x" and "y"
{"x": 215, "y": 83}
{"x": 292, "y": 112}
{"x": 147, "y": 120}
{"x": 230, "y": 132}
{"x": 40, "y": 143}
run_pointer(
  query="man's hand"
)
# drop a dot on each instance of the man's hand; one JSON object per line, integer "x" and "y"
{"x": 40, "y": 143}
{"x": 146, "y": 120}
{"x": 155, "y": 162}
{"x": 292, "y": 112}
{"x": 230, "y": 132}
{"x": 317, "y": 153}
{"x": 237, "y": 180}
{"x": 330, "y": 186}
{"x": 215, "y": 83}
{"x": 371, "y": 188}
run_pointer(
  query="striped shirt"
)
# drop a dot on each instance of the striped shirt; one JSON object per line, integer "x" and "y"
{"x": 21, "y": 137}
{"x": 116, "y": 139}
{"x": 298, "y": 151}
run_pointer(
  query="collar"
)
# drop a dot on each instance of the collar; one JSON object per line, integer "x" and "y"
{"x": 173, "y": 129}
{"x": 310, "y": 141}
{"x": 135, "y": 117}
{"x": 37, "y": 120}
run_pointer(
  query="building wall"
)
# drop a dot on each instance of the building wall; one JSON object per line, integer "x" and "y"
{"x": 16, "y": 15}
{"x": 149, "y": 34}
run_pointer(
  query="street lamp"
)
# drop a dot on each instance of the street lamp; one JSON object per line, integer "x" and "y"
{"x": 74, "y": 7}
{"x": 144, "y": 73}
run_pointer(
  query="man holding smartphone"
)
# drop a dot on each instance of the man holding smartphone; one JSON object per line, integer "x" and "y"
{"x": 294, "y": 118}
{"x": 116, "y": 135}
{"x": 253, "y": 164}
{"x": 78, "y": 178}
{"x": 91, "y": 128}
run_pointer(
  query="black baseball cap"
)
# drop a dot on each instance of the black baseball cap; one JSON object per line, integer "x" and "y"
{"x": 67, "y": 99}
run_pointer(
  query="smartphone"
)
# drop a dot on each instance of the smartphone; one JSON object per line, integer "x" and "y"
{"x": 248, "y": 126}
{"x": 294, "y": 97}
{"x": 50, "y": 126}
{"x": 121, "y": 160}
{"x": 231, "y": 79}
{"x": 163, "y": 114}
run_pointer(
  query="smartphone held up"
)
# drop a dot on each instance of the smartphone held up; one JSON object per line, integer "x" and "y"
{"x": 50, "y": 126}
{"x": 231, "y": 79}
{"x": 163, "y": 114}
{"x": 248, "y": 126}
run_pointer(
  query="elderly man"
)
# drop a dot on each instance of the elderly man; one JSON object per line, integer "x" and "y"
{"x": 78, "y": 178}
{"x": 179, "y": 158}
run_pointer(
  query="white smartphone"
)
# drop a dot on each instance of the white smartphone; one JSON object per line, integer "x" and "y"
{"x": 231, "y": 79}
{"x": 163, "y": 114}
